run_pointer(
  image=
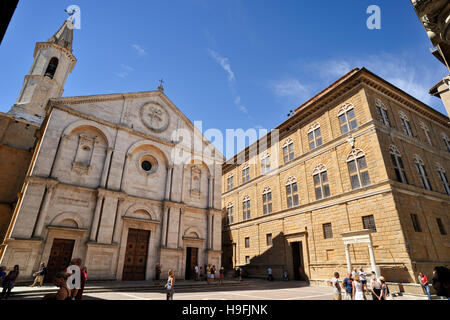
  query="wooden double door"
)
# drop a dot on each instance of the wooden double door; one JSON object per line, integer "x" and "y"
{"x": 60, "y": 256}
{"x": 136, "y": 254}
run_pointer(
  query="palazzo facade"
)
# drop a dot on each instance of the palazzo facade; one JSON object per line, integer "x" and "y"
{"x": 356, "y": 177}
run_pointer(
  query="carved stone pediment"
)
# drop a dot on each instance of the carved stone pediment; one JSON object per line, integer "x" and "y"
{"x": 155, "y": 116}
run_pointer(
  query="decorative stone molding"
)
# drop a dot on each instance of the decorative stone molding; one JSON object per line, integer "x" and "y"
{"x": 403, "y": 115}
{"x": 291, "y": 180}
{"x": 418, "y": 159}
{"x": 355, "y": 154}
{"x": 380, "y": 104}
{"x": 267, "y": 190}
{"x": 351, "y": 140}
{"x": 345, "y": 107}
{"x": 154, "y": 116}
{"x": 313, "y": 127}
{"x": 288, "y": 142}
{"x": 394, "y": 150}
{"x": 319, "y": 168}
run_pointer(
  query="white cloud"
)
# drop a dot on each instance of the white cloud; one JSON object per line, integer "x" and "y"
{"x": 126, "y": 69}
{"x": 291, "y": 88}
{"x": 224, "y": 63}
{"x": 140, "y": 50}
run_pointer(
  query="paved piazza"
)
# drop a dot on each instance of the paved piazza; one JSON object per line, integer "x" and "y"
{"x": 254, "y": 291}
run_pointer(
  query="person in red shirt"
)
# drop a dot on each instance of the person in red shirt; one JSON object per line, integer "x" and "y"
{"x": 424, "y": 283}
{"x": 83, "y": 279}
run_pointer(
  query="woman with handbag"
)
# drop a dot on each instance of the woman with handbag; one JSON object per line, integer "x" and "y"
{"x": 384, "y": 290}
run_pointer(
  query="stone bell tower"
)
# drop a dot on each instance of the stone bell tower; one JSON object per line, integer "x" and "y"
{"x": 53, "y": 62}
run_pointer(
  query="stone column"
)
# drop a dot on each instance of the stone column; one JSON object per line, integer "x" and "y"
{"x": 118, "y": 225}
{"x": 164, "y": 227}
{"x": 347, "y": 255}
{"x": 180, "y": 231}
{"x": 208, "y": 239}
{"x": 95, "y": 221}
{"x": 125, "y": 169}
{"x": 50, "y": 188}
{"x": 106, "y": 168}
{"x": 182, "y": 183}
{"x": 169, "y": 182}
{"x": 210, "y": 191}
{"x": 58, "y": 152}
{"x": 373, "y": 263}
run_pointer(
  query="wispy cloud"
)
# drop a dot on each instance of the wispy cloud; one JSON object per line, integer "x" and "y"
{"x": 224, "y": 63}
{"x": 400, "y": 70}
{"x": 140, "y": 50}
{"x": 125, "y": 71}
{"x": 290, "y": 88}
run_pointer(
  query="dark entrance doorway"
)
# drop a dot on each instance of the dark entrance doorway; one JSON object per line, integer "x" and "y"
{"x": 191, "y": 262}
{"x": 60, "y": 256}
{"x": 297, "y": 258}
{"x": 136, "y": 255}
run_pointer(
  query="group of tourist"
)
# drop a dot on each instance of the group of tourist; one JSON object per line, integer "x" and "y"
{"x": 210, "y": 275}
{"x": 70, "y": 282}
{"x": 356, "y": 287}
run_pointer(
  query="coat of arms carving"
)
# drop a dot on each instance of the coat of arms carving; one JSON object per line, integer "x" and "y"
{"x": 154, "y": 117}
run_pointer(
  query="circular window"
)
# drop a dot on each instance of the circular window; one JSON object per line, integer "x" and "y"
{"x": 146, "y": 165}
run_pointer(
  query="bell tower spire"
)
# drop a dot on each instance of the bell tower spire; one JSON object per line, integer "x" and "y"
{"x": 53, "y": 62}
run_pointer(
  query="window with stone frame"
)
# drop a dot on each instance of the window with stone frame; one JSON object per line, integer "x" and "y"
{"x": 314, "y": 136}
{"x": 265, "y": 164}
{"x": 246, "y": 208}
{"x": 196, "y": 178}
{"x": 84, "y": 153}
{"x": 422, "y": 172}
{"x": 357, "y": 167}
{"x": 347, "y": 118}
{"x": 247, "y": 242}
{"x": 292, "y": 192}
{"x": 441, "y": 226}
{"x": 405, "y": 124}
{"x": 230, "y": 182}
{"x": 443, "y": 177}
{"x": 269, "y": 239}
{"x": 415, "y": 222}
{"x": 369, "y": 223}
{"x": 267, "y": 200}
{"x": 446, "y": 141}
{"x": 246, "y": 174}
{"x": 288, "y": 150}
{"x": 426, "y": 132}
{"x": 230, "y": 213}
{"x": 321, "y": 183}
{"x": 327, "y": 231}
{"x": 382, "y": 112}
{"x": 397, "y": 163}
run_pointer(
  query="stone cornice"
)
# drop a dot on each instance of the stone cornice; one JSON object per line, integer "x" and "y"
{"x": 11, "y": 117}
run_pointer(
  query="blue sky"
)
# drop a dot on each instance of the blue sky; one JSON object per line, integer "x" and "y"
{"x": 229, "y": 63}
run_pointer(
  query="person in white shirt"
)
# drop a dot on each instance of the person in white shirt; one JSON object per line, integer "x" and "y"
{"x": 335, "y": 283}
{"x": 363, "y": 278}
{"x": 196, "y": 273}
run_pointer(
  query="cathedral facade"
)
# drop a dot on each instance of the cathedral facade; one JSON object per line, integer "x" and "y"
{"x": 123, "y": 181}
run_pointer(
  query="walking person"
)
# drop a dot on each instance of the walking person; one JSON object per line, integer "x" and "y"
{"x": 196, "y": 272}
{"x": 375, "y": 287}
{"x": 348, "y": 284}
{"x": 423, "y": 280}
{"x": 337, "y": 295}
{"x": 2, "y": 274}
{"x": 241, "y": 273}
{"x": 357, "y": 288}
{"x": 8, "y": 282}
{"x": 39, "y": 275}
{"x": 83, "y": 277}
{"x": 363, "y": 278}
{"x": 170, "y": 285}
{"x": 222, "y": 274}
{"x": 208, "y": 273}
{"x": 213, "y": 273}
{"x": 269, "y": 274}
{"x": 384, "y": 289}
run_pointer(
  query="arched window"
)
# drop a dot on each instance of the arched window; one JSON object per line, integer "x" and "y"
{"x": 357, "y": 167}
{"x": 51, "y": 68}
{"x": 292, "y": 192}
{"x": 267, "y": 200}
{"x": 265, "y": 163}
{"x": 443, "y": 176}
{"x": 426, "y": 131}
{"x": 288, "y": 150}
{"x": 246, "y": 173}
{"x": 446, "y": 141}
{"x": 397, "y": 162}
{"x": 314, "y": 136}
{"x": 230, "y": 213}
{"x": 420, "y": 166}
{"x": 246, "y": 208}
{"x": 405, "y": 124}
{"x": 382, "y": 113}
{"x": 321, "y": 184}
{"x": 347, "y": 119}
